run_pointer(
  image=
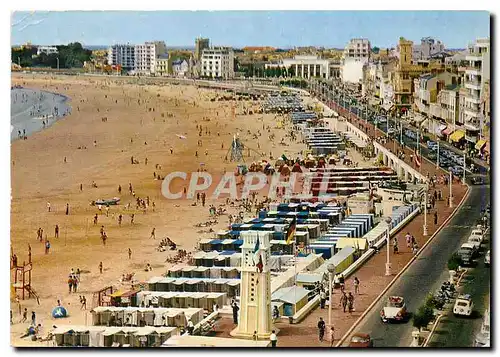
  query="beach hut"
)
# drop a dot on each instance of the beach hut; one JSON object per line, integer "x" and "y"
{"x": 308, "y": 280}
{"x": 293, "y": 299}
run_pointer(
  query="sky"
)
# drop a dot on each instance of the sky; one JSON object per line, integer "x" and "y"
{"x": 284, "y": 29}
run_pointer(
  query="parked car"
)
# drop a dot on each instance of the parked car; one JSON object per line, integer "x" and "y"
{"x": 467, "y": 253}
{"x": 487, "y": 259}
{"x": 476, "y": 241}
{"x": 463, "y": 305}
{"x": 361, "y": 340}
{"x": 395, "y": 310}
{"x": 431, "y": 144}
{"x": 477, "y": 180}
{"x": 478, "y": 232}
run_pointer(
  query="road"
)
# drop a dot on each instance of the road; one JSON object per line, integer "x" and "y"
{"x": 426, "y": 273}
{"x": 458, "y": 331}
{"x": 366, "y": 111}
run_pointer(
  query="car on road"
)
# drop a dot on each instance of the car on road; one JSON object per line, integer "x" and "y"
{"x": 463, "y": 305}
{"x": 361, "y": 340}
{"x": 456, "y": 170}
{"x": 478, "y": 180}
{"x": 395, "y": 310}
{"x": 487, "y": 259}
{"x": 477, "y": 232}
{"x": 467, "y": 252}
{"x": 477, "y": 241}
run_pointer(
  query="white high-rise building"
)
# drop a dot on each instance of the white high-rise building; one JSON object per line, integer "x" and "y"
{"x": 48, "y": 50}
{"x": 477, "y": 74}
{"x": 146, "y": 55}
{"x": 217, "y": 62}
{"x": 358, "y": 48}
{"x": 122, "y": 55}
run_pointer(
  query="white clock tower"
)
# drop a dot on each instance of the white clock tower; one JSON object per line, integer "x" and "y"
{"x": 255, "y": 299}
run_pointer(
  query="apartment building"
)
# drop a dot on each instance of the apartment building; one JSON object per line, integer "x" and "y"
{"x": 122, "y": 55}
{"x": 358, "y": 48}
{"x": 48, "y": 50}
{"x": 146, "y": 56}
{"x": 162, "y": 65}
{"x": 477, "y": 75}
{"x": 217, "y": 62}
{"x": 436, "y": 98}
{"x": 427, "y": 48}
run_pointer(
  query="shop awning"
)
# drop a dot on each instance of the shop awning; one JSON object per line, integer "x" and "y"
{"x": 457, "y": 135}
{"x": 446, "y": 131}
{"x": 480, "y": 144}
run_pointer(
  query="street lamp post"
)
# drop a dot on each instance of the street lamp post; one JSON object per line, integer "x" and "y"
{"x": 451, "y": 193}
{"x": 437, "y": 160}
{"x": 331, "y": 271}
{"x": 57, "y": 58}
{"x": 388, "y": 220}
{"x": 464, "y": 170}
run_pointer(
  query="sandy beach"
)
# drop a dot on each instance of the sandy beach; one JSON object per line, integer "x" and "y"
{"x": 111, "y": 122}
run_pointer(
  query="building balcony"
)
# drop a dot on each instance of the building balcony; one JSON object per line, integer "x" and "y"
{"x": 474, "y": 56}
{"x": 473, "y": 70}
{"x": 472, "y": 125}
{"x": 472, "y": 112}
{"x": 476, "y": 85}
{"x": 472, "y": 99}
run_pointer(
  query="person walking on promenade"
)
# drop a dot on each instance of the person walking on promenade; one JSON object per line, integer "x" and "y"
{"x": 350, "y": 301}
{"x": 435, "y": 218}
{"x": 235, "y": 313}
{"x": 273, "y": 338}
{"x": 33, "y": 318}
{"x": 332, "y": 335}
{"x": 321, "y": 329}
{"x": 343, "y": 300}
{"x": 47, "y": 247}
{"x": 356, "y": 285}
{"x": 408, "y": 240}
{"x": 322, "y": 299}
{"x": 70, "y": 283}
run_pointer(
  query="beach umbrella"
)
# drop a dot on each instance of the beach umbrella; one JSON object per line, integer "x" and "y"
{"x": 59, "y": 312}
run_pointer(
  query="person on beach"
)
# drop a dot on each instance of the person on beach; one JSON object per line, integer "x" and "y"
{"x": 343, "y": 300}
{"x": 100, "y": 268}
{"x": 119, "y": 189}
{"x": 129, "y": 253}
{"x": 104, "y": 238}
{"x": 25, "y": 315}
{"x": 75, "y": 283}
{"x": 96, "y": 217}
{"x": 47, "y": 247}
{"x": 153, "y": 233}
{"x": 132, "y": 218}
{"x": 67, "y": 209}
{"x": 48, "y": 206}
{"x": 70, "y": 283}
{"x": 120, "y": 217}
{"x": 83, "y": 301}
{"x": 81, "y": 187}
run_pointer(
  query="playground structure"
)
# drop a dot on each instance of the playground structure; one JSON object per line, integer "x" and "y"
{"x": 22, "y": 277}
{"x": 235, "y": 151}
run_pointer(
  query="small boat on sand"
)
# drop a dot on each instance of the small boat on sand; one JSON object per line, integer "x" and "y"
{"x": 108, "y": 202}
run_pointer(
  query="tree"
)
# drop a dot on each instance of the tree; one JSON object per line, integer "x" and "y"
{"x": 375, "y": 49}
{"x": 423, "y": 316}
{"x": 454, "y": 262}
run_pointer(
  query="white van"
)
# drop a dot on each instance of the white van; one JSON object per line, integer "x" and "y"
{"x": 463, "y": 305}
